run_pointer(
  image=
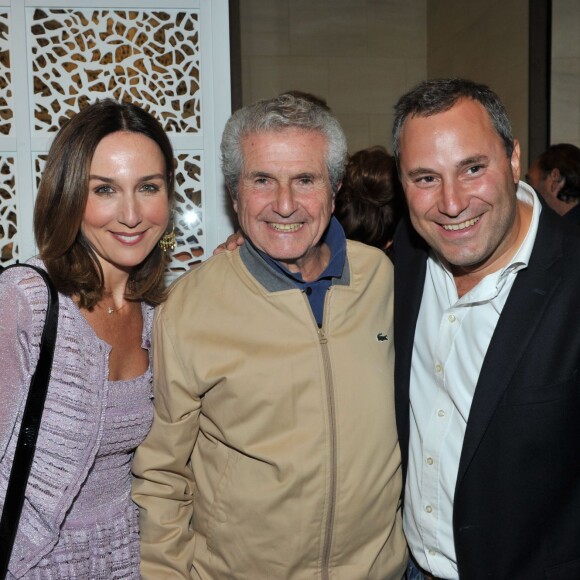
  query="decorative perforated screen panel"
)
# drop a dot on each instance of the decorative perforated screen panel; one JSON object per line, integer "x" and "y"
{"x": 57, "y": 57}
{"x": 148, "y": 57}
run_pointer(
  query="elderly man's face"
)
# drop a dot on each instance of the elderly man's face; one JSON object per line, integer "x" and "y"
{"x": 285, "y": 201}
{"x": 460, "y": 187}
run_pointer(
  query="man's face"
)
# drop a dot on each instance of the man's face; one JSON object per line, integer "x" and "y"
{"x": 537, "y": 179}
{"x": 548, "y": 186}
{"x": 285, "y": 201}
{"x": 460, "y": 187}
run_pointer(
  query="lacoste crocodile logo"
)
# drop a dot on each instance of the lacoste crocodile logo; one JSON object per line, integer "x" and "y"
{"x": 381, "y": 337}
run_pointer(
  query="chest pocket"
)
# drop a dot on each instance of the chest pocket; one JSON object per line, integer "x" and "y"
{"x": 537, "y": 394}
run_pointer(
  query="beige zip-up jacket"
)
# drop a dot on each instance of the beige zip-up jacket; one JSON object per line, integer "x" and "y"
{"x": 273, "y": 452}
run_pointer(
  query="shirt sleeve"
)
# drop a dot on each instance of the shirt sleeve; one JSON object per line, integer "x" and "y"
{"x": 163, "y": 484}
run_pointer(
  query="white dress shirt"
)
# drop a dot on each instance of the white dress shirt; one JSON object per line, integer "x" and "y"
{"x": 451, "y": 339}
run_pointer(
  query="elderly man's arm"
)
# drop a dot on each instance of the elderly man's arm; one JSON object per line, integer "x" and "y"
{"x": 163, "y": 485}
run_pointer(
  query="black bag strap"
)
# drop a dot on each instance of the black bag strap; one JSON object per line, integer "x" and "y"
{"x": 30, "y": 426}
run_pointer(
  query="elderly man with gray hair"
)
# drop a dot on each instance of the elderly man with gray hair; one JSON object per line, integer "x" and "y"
{"x": 273, "y": 451}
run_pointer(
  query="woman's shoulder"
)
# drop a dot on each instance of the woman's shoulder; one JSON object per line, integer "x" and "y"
{"x": 23, "y": 276}
{"x": 22, "y": 288}
{"x": 148, "y": 313}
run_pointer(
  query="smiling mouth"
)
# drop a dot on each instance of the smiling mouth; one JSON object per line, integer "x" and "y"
{"x": 461, "y": 226}
{"x": 286, "y": 227}
{"x": 129, "y": 238}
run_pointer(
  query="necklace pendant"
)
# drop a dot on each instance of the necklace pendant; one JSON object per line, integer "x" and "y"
{"x": 110, "y": 310}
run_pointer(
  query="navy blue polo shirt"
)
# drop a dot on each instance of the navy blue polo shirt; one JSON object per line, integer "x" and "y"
{"x": 335, "y": 239}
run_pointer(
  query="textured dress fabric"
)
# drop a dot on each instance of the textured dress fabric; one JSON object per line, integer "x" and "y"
{"x": 78, "y": 519}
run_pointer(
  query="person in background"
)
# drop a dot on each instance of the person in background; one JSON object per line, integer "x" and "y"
{"x": 370, "y": 202}
{"x": 273, "y": 451}
{"x": 315, "y": 99}
{"x": 555, "y": 175}
{"x": 101, "y": 209}
{"x": 487, "y": 348}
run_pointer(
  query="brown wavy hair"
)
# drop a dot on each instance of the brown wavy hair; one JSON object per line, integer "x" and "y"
{"x": 370, "y": 202}
{"x": 62, "y": 196}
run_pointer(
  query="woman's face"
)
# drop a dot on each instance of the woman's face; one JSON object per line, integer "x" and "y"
{"x": 127, "y": 206}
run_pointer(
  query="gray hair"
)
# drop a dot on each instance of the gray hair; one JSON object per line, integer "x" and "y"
{"x": 283, "y": 112}
{"x": 439, "y": 95}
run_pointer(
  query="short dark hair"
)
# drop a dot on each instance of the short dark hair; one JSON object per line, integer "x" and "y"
{"x": 438, "y": 95}
{"x": 370, "y": 202}
{"x": 62, "y": 198}
{"x": 566, "y": 158}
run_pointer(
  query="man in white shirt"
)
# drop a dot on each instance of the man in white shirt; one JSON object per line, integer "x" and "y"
{"x": 488, "y": 348}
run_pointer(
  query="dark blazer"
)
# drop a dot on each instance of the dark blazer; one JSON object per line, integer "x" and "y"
{"x": 573, "y": 215}
{"x": 517, "y": 500}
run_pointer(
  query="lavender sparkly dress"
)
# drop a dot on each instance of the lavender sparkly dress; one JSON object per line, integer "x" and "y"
{"x": 78, "y": 519}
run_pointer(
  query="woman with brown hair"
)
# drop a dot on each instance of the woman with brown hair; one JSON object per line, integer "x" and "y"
{"x": 102, "y": 209}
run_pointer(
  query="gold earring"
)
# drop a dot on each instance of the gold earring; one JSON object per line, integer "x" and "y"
{"x": 168, "y": 241}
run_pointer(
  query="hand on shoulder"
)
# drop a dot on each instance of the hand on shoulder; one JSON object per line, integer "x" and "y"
{"x": 234, "y": 240}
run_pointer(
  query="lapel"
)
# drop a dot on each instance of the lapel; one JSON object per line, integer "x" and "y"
{"x": 519, "y": 320}
{"x": 410, "y": 258}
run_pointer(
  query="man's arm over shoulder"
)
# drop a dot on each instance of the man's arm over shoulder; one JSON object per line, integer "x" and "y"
{"x": 163, "y": 485}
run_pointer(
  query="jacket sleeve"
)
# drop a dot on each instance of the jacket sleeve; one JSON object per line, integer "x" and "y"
{"x": 16, "y": 335}
{"x": 163, "y": 484}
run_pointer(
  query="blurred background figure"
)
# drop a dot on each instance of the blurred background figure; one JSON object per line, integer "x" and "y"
{"x": 555, "y": 175}
{"x": 370, "y": 202}
{"x": 309, "y": 97}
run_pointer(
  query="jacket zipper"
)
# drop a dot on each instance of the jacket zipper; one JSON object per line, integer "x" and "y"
{"x": 333, "y": 455}
{"x": 329, "y": 383}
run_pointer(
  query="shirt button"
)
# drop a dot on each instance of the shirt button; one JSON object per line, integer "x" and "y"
{"x": 428, "y": 509}
{"x": 432, "y": 553}
{"x": 429, "y": 461}
{"x": 441, "y": 413}
{"x": 451, "y": 318}
{"x": 438, "y": 368}
{"x": 308, "y": 291}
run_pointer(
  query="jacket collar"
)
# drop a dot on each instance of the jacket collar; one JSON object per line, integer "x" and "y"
{"x": 273, "y": 279}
